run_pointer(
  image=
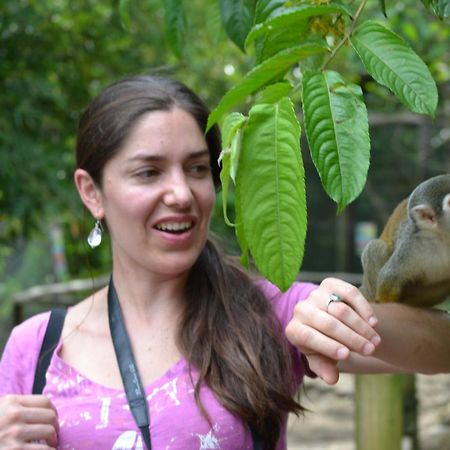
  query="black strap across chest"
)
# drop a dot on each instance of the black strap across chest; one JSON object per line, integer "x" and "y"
{"x": 127, "y": 365}
{"x": 51, "y": 339}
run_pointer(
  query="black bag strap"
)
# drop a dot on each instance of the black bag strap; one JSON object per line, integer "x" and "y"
{"x": 127, "y": 365}
{"x": 257, "y": 442}
{"x": 51, "y": 339}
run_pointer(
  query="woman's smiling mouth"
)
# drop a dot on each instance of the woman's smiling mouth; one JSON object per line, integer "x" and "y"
{"x": 174, "y": 227}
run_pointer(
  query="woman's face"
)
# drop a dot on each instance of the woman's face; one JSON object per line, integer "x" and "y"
{"x": 158, "y": 193}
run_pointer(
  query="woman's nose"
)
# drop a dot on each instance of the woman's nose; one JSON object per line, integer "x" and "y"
{"x": 178, "y": 191}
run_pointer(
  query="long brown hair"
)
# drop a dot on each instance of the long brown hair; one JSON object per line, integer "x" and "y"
{"x": 228, "y": 331}
{"x": 231, "y": 335}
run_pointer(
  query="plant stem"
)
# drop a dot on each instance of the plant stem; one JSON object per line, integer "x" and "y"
{"x": 347, "y": 35}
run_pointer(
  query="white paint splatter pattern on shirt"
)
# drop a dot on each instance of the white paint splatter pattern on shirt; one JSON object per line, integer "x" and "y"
{"x": 93, "y": 416}
{"x": 130, "y": 440}
{"x": 168, "y": 390}
{"x": 209, "y": 441}
{"x": 104, "y": 413}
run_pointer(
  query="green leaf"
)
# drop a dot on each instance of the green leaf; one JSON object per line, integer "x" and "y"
{"x": 292, "y": 17}
{"x": 270, "y": 70}
{"x": 270, "y": 191}
{"x": 383, "y": 7}
{"x": 277, "y": 40}
{"x": 439, "y": 7}
{"x": 175, "y": 25}
{"x": 225, "y": 182}
{"x": 230, "y": 127}
{"x": 271, "y": 43}
{"x": 231, "y": 144}
{"x": 274, "y": 92}
{"x": 214, "y": 27}
{"x": 237, "y": 18}
{"x": 338, "y": 134}
{"x": 124, "y": 13}
{"x": 392, "y": 63}
{"x": 239, "y": 231}
{"x": 264, "y": 8}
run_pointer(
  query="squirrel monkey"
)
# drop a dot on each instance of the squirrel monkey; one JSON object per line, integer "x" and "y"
{"x": 410, "y": 262}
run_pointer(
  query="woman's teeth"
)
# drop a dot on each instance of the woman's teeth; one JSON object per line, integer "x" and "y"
{"x": 174, "y": 227}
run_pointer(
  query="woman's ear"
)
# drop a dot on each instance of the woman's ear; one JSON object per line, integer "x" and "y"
{"x": 89, "y": 192}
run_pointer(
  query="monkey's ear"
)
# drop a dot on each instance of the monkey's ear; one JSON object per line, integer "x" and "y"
{"x": 446, "y": 203}
{"x": 424, "y": 216}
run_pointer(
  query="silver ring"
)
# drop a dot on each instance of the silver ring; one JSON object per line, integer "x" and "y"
{"x": 333, "y": 298}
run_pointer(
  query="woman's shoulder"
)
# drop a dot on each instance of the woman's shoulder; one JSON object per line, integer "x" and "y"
{"x": 20, "y": 355}
{"x": 298, "y": 290}
{"x": 31, "y": 331}
{"x": 283, "y": 303}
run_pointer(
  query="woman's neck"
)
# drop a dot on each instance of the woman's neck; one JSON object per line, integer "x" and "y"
{"x": 146, "y": 297}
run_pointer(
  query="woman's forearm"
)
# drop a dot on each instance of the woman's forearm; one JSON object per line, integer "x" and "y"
{"x": 413, "y": 339}
{"x": 353, "y": 335}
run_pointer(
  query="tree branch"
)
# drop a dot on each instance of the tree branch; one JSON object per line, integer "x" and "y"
{"x": 347, "y": 35}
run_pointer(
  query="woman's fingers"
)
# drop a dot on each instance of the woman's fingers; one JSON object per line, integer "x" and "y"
{"x": 352, "y": 309}
{"x": 37, "y": 447}
{"x": 351, "y": 296}
{"x": 39, "y": 415}
{"x": 40, "y": 432}
{"x": 327, "y": 334}
{"x": 323, "y": 367}
{"x": 31, "y": 446}
{"x": 310, "y": 341}
{"x": 31, "y": 409}
{"x": 335, "y": 320}
{"x": 38, "y": 401}
{"x": 28, "y": 421}
{"x": 346, "y": 327}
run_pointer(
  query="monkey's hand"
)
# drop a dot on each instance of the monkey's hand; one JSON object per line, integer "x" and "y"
{"x": 374, "y": 256}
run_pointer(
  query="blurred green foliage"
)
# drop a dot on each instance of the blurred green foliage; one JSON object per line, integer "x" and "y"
{"x": 57, "y": 54}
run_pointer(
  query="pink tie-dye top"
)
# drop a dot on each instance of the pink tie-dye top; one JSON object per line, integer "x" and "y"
{"x": 92, "y": 416}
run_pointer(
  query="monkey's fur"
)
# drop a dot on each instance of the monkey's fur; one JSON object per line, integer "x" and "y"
{"x": 410, "y": 262}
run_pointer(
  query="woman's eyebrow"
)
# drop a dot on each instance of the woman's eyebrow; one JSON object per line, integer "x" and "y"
{"x": 155, "y": 158}
{"x": 145, "y": 157}
{"x": 199, "y": 154}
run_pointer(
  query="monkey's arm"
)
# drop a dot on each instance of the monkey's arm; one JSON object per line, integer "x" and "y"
{"x": 412, "y": 340}
{"x": 373, "y": 258}
{"x": 399, "y": 270}
{"x": 378, "y": 252}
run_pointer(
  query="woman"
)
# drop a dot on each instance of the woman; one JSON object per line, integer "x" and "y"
{"x": 180, "y": 326}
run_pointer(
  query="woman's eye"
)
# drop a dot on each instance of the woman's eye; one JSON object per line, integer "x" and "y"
{"x": 147, "y": 173}
{"x": 200, "y": 169}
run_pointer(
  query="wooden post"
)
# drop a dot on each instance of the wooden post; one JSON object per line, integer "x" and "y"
{"x": 410, "y": 404}
{"x": 379, "y": 412}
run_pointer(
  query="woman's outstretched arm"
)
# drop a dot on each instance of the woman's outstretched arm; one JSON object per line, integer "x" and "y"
{"x": 361, "y": 337}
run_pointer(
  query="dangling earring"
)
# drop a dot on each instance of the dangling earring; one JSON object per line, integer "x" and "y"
{"x": 95, "y": 236}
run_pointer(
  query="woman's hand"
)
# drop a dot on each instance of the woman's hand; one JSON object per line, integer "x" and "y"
{"x": 28, "y": 422}
{"x": 326, "y": 332}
